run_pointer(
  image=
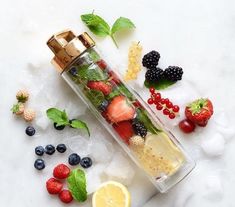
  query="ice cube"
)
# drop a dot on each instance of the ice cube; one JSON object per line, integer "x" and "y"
{"x": 213, "y": 145}
{"x": 79, "y": 144}
{"x": 94, "y": 177}
{"x": 42, "y": 122}
{"x": 214, "y": 188}
{"x": 101, "y": 151}
{"x": 120, "y": 169}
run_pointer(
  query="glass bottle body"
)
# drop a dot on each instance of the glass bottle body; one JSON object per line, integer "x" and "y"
{"x": 131, "y": 122}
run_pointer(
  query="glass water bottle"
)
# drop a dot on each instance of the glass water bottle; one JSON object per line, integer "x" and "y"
{"x": 120, "y": 110}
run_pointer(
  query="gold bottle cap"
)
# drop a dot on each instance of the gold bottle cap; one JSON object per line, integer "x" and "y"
{"x": 67, "y": 46}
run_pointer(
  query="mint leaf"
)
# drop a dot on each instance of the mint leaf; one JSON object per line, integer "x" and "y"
{"x": 96, "y": 24}
{"x": 78, "y": 124}
{"x": 95, "y": 74}
{"x": 77, "y": 185}
{"x": 143, "y": 117}
{"x": 96, "y": 97}
{"x": 57, "y": 116}
{"x": 122, "y": 23}
{"x": 120, "y": 89}
{"x": 162, "y": 84}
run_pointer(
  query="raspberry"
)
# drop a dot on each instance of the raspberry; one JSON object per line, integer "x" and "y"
{"x": 173, "y": 73}
{"x": 54, "y": 186}
{"x": 65, "y": 196}
{"x": 154, "y": 75}
{"x": 61, "y": 171}
{"x": 150, "y": 60}
{"x": 136, "y": 141}
{"x": 139, "y": 128}
{"x": 29, "y": 115}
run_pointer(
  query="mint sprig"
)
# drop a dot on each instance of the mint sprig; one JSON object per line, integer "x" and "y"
{"x": 77, "y": 185}
{"x": 101, "y": 28}
{"x": 61, "y": 119}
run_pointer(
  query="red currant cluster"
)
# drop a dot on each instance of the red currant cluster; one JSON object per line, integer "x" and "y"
{"x": 164, "y": 104}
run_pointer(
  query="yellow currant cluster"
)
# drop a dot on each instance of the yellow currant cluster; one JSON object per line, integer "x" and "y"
{"x": 134, "y": 61}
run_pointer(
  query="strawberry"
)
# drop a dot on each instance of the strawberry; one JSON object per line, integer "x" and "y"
{"x": 114, "y": 77}
{"x": 100, "y": 86}
{"x": 120, "y": 110}
{"x": 65, "y": 196}
{"x": 199, "y": 111}
{"x": 125, "y": 130}
{"x": 61, "y": 171}
{"x": 102, "y": 64}
{"x": 54, "y": 186}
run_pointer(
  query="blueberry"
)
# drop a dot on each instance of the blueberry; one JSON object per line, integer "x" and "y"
{"x": 39, "y": 150}
{"x": 61, "y": 148}
{"x": 102, "y": 107}
{"x": 74, "y": 159}
{"x": 59, "y": 127}
{"x": 49, "y": 149}
{"x": 39, "y": 164}
{"x": 86, "y": 162}
{"x": 73, "y": 71}
{"x": 30, "y": 131}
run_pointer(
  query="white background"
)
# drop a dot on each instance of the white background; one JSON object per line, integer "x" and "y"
{"x": 198, "y": 35}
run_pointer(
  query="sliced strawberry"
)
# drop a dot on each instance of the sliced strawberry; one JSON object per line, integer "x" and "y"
{"x": 120, "y": 110}
{"x": 125, "y": 130}
{"x": 102, "y": 64}
{"x": 114, "y": 77}
{"x": 100, "y": 86}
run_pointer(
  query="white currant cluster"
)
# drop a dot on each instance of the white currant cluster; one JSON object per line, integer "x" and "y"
{"x": 134, "y": 61}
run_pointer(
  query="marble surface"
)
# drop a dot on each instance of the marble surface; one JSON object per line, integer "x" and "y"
{"x": 197, "y": 35}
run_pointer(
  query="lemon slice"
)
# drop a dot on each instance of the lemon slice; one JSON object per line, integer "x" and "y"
{"x": 111, "y": 194}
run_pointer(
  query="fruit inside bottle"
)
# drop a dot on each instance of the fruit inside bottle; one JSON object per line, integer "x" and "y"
{"x": 92, "y": 78}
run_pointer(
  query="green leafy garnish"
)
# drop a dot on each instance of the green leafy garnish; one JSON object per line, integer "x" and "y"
{"x": 77, "y": 185}
{"x": 95, "y": 74}
{"x": 161, "y": 84}
{"x": 57, "y": 116}
{"x": 15, "y": 108}
{"x": 121, "y": 89}
{"x": 78, "y": 124}
{"x": 96, "y": 24}
{"x": 143, "y": 117}
{"x": 101, "y": 28}
{"x": 96, "y": 97}
{"x": 61, "y": 119}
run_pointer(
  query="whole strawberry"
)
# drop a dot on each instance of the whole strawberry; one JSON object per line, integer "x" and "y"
{"x": 18, "y": 108}
{"x": 61, "y": 171}
{"x": 22, "y": 96}
{"x": 65, "y": 196}
{"x": 199, "y": 111}
{"x": 54, "y": 186}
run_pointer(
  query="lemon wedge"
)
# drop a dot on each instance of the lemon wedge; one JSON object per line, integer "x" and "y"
{"x": 111, "y": 194}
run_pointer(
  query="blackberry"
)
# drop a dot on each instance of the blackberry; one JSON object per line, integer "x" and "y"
{"x": 173, "y": 73}
{"x": 139, "y": 128}
{"x": 150, "y": 60}
{"x": 154, "y": 75}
